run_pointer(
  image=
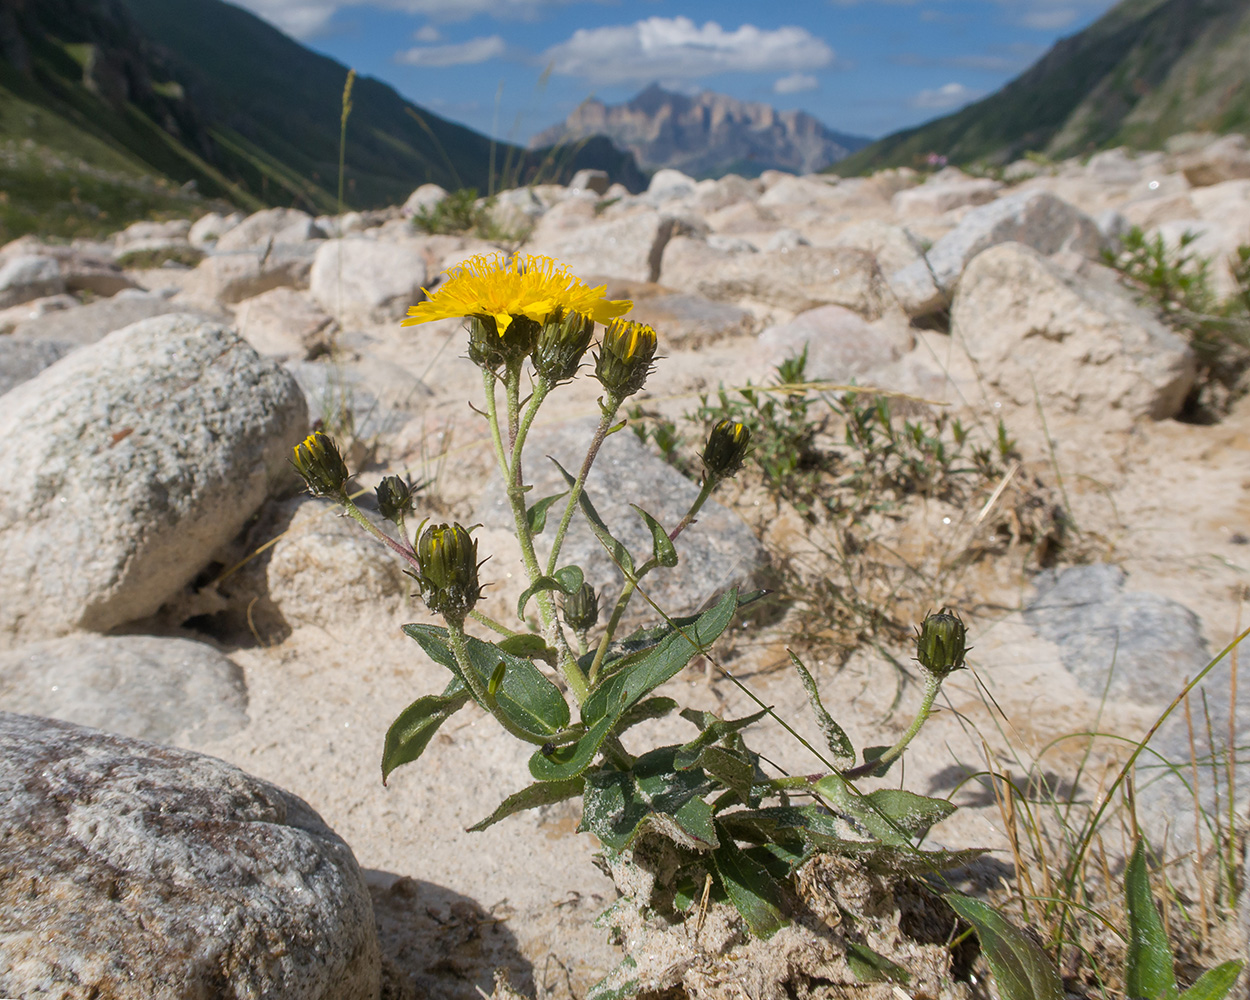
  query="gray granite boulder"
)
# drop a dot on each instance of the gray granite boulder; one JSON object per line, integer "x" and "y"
{"x": 88, "y": 323}
{"x": 29, "y": 277}
{"x": 367, "y": 280}
{"x": 718, "y": 552}
{"x": 1081, "y": 344}
{"x": 128, "y": 464}
{"x": 165, "y": 689}
{"x": 24, "y": 359}
{"x": 1037, "y": 219}
{"x": 238, "y": 275}
{"x": 133, "y": 871}
{"x": 840, "y": 344}
{"x": 269, "y": 228}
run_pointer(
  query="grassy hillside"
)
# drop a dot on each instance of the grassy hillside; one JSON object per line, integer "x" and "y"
{"x": 1146, "y": 70}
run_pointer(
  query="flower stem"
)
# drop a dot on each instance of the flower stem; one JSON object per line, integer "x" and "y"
{"x": 601, "y": 432}
{"x": 490, "y": 623}
{"x": 356, "y": 515}
{"x": 933, "y": 683}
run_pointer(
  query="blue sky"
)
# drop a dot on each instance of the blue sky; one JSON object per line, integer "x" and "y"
{"x": 513, "y": 67}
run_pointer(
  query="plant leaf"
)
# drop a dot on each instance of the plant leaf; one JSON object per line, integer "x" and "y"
{"x": 648, "y": 708}
{"x": 836, "y": 740}
{"x": 753, "y": 892}
{"x": 1021, "y": 967}
{"x": 412, "y": 731}
{"x": 1148, "y": 971}
{"x": 616, "y": 985}
{"x": 526, "y": 696}
{"x": 1215, "y": 984}
{"x": 530, "y": 646}
{"x": 536, "y": 516}
{"x": 869, "y": 967}
{"x": 661, "y": 546}
{"x": 542, "y": 793}
{"x": 567, "y": 580}
{"x": 876, "y": 753}
{"x": 909, "y": 811}
{"x": 616, "y": 549}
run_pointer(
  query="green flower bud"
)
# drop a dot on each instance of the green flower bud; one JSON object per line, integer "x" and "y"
{"x": 394, "y": 498}
{"x": 447, "y": 574}
{"x": 489, "y": 350}
{"x": 726, "y": 447}
{"x": 318, "y": 461}
{"x": 581, "y": 610}
{"x": 624, "y": 359}
{"x": 562, "y": 343}
{"x": 941, "y": 643}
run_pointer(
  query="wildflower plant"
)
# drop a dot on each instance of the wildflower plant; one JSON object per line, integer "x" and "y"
{"x": 572, "y": 689}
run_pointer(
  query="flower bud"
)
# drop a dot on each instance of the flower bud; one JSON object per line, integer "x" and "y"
{"x": 394, "y": 498}
{"x": 318, "y": 461}
{"x": 581, "y": 610}
{"x": 487, "y": 349}
{"x": 625, "y": 356}
{"x": 726, "y": 447}
{"x": 447, "y": 574}
{"x": 941, "y": 643}
{"x": 562, "y": 343}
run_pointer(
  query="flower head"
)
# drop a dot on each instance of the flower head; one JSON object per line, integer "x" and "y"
{"x": 318, "y": 461}
{"x": 941, "y": 643}
{"x": 625, "y": 356}
{"x": 447, "y": 556}
{"x": 726, "y": 447}
{"x": 502, "y": 289}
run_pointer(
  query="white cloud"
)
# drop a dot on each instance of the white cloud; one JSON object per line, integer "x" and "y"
{"x": 795, "y": 83}
{"x": 1047, "y": 18}
{"x": 475, "y": 50}
{"x": 945, "y": 97}
{"x": 429, "y": 34}
{"x": 675, "y": 48}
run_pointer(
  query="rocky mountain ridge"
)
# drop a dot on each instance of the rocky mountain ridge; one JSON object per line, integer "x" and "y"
{"x": 708, "y": 135}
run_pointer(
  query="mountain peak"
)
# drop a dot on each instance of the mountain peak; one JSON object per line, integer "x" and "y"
{"x": 707, "y": 135}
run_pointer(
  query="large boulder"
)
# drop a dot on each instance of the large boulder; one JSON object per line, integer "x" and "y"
{"x": 21, "y": 360}
{"x": 1225, "y": 159}
{"x": 1083, "y": 346}
{"x": 29, "y": 277}
{"x": 127, "y": 463}
{"x": 840, "y": 344}
{"x": 941, "y": 196}
{"x": 285, "y": 324}
{"x": 366, "y": 280}
{"x": 133, "y": 871}
{"x": 629, "y": 247}
{"x": 1035, "y": 218}
{"x": 168, "y": 690}
{"x": 88, "y": 323}
{"x": 233, "y": 277}
{"x": 268, "y": 228}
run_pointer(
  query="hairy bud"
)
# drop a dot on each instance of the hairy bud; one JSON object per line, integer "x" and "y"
{"x": 318, "y": 461}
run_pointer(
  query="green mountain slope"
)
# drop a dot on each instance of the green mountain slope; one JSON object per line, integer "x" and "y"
{"x": 1146, "y": 70}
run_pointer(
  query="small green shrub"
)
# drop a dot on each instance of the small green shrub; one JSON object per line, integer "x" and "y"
{"x": 463, "y": 213}
{"x": 143, "y": 260}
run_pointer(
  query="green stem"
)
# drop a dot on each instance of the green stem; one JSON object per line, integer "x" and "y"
{"x": 492, "y": 418}
{"x": 455, "y": 634}
{"x": 490, "y": 623}
{"x": 356, "y": 515}
{"x": 631, "y": 584}
{"x": 575, "y": 494}
{"x": 933, "y": 683}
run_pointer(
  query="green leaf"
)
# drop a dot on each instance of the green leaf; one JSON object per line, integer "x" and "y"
{"x": 1148, "y": 969}
{"x": 753, "y": 892}
{"x": 529, "y": 646}
{"x": 616, "y": 550}
{"x": 616, "y": 985}
{"x": 736, "y": 771}
{"x": 542, "y": 793}
{"x": 567, "y": 580}
{"x": 648, "y": 708}
{"x": 861, "y": 810}
{"x": 876, "y": 753}
{"x": 910, "y": 812}
{"x": 869, "y": 967}
{"x": 652, "y": 796}
{"x": 836, "y": 740}
{"x": 526, "y": 696}
{"x": 536, "y": 516}
{"x": 416, "y": 725}
{"x": 1215, "y": 984}
{"x": 1021, "y": 967}
{"x": 661, "y": 546}
{"x": 571, "y": 760}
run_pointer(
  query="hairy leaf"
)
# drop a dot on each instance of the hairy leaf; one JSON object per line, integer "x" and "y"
{"x": 753, "y": 892}
{"x": 1148, "y": 969}
{"x": 542, "y": 793}
{"x": 651, "y": 796}
{"x": 1215, "y": 984}
{"x": 567, "y": 580}
{"x": 662, "y": 548}
{"x": 836, "y": 740}
{"x": 536, "y": 516}
{"x": 416, "y": 725}
{"x": 616, "y": 550}
{"x": 1022, "y": 969}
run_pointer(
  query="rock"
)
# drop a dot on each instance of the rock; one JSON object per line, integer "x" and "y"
{"x": 324, "y": 566}
{"x": 1035, "y": 218}
{"x": 134, "y": 871}
{"x": 168, "y": 690}
{"x": 94, "y": 276}
{"x": 688, "y": 321}
{"x": 1127, "y": 644}
{"x": 797, "y": 279}
{"x": 1021, "y": 170}
{"x": 367, "y": 281}
{"x": 629, "y": 247}
{"x": 233, "y": 277}
{"x": 1114, "y": 167}
{"x": 29, "y": 277}
{"x": 89, "y": 323}
{"x": 128, "y": 464}
{"x": 936, "y": 198}
{"x": 590, "y": 180}
{"x": 668, "y": 184}
{"x": 283, "y": 323}
{"x": 208, "y": 229}
{"x": 783, "y": 240}
{"x": 718, "y": 552}
{"x": 146, "y": 236}
{"x": 21, "y": 360}
{"x": 13, "y": 316}
{"x": 1225, "y": 159}
{"x": 269, "y": 228}
{"x": 805, "y": 191}
{"x": 893, "y": 246}
{"x": 840, "y": 344}
{"x": 1082, "y": 345}
{"x": 425, "y": 198}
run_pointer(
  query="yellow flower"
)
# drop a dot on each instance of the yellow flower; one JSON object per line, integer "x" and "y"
{"x": 533, "y": 287}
